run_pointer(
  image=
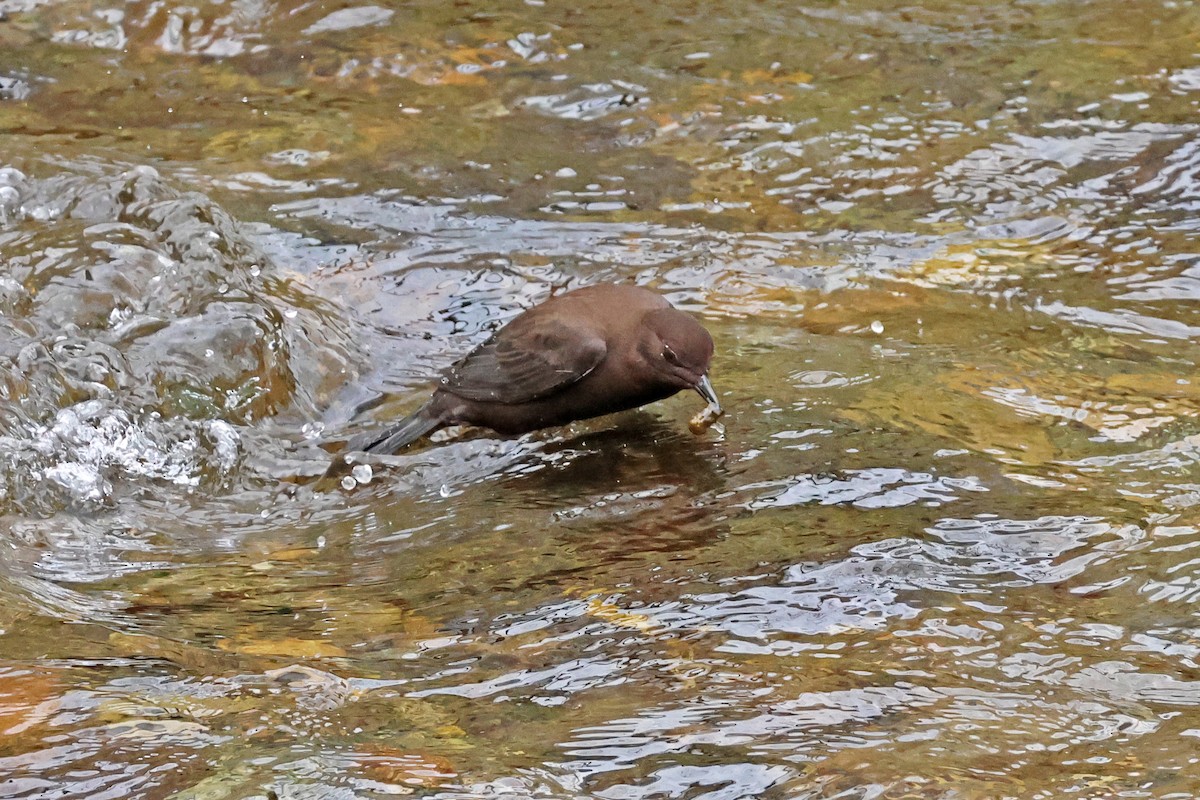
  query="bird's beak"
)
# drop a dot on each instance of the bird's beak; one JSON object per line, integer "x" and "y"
{"x": 705, "y": 389}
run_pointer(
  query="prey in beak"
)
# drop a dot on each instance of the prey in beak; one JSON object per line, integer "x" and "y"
{"x": 710, "y": 413}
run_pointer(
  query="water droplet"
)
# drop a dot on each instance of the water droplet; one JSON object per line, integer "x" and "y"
{"x": 362, "y": 473}
{"x": 876, "y": 327}
{"x": 444, "y": 491}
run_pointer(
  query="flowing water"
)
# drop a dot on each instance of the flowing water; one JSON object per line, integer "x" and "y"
{"x": 944, "y": 544}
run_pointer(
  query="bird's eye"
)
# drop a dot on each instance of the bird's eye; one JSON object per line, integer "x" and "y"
{"x": 669, "y": 355}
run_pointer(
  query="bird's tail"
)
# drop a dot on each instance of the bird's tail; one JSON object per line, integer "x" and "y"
{"x": 400, "y": 435}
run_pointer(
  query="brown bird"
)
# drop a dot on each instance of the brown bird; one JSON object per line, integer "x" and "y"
{"x": 588, "y": 352}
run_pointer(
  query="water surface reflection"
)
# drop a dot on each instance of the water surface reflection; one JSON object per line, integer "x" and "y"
{"x": 940, "y": 547}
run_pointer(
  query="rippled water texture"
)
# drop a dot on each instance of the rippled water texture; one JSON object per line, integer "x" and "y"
{"x": 943, "y": 545}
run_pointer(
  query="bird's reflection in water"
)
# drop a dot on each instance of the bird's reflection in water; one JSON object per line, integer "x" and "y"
{"x": 636, "y": 451}
{"x": 642, "y": 485}
{"x": 616, "y": 493}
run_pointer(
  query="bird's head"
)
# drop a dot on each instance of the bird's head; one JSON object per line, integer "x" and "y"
{"x": 678, "y": 350}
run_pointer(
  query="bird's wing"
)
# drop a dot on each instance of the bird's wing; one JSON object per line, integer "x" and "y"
{"x": 525, "y": 360}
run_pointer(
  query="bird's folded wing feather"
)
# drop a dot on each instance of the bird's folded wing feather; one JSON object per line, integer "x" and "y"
{"x": 525, "y": 360}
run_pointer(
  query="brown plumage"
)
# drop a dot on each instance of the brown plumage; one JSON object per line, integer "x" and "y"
{"x": 585, "y": 353}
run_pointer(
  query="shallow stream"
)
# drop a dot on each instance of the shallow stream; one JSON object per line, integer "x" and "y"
{"x": 944, "y": 544}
